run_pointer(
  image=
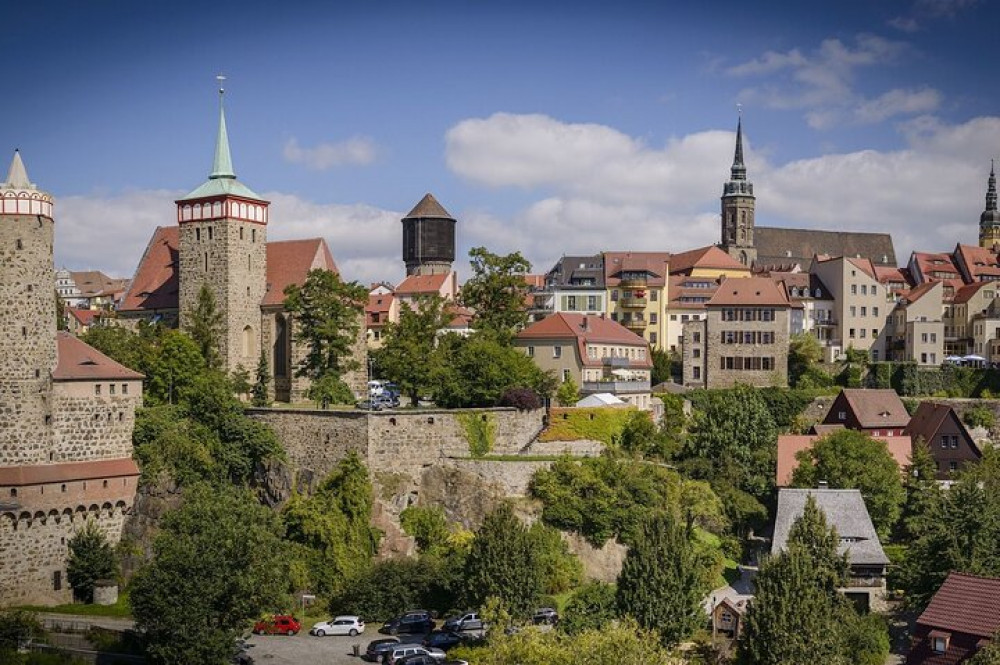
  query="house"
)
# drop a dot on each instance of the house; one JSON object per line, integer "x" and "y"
{"x": 916, "y": 326}
{"x": 944, "y": 433}
{"x": 877, "y": 412}
{"x": 845, "y": 511}
{"x": 79, "y": 321}
{"x": 637, "y": 292}
{"x": 962, "y": 617}
{"x": 861, "y": 303}
{"x": 576, "y": 285}
{"x": 727, "y": 617}
{"x": 600, "y": 355}
{"x": 382, "y": 308}
{"x": 789, "y": 445}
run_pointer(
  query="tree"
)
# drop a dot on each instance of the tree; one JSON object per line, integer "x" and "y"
{"x": 408, "y": 354}
{"x": 662, "y": 366}
{"x": 804, "y": 352}
{"x": 263, "y": 378}
{"x": 923, "y": 494}
{"x": 568, "y": 393}
{"x": 496, "y": 291}
{"x": 661, "y": 582}
{"x": 427, "y": 525}
{"x": 174, "y": 367}
{"x": 241, "y": 381}
{"x": 502, "y": 564}
{"x": 559, "y": 568}
{"x": 848, "y": 459}
{"x": 988, "y": 655}
{"x": 641, "y": 437}
{"x": 205, "y": 326}
{"x": 328, "y": 390}
{"x": 589, "y": 608}
{"x": 62, "y": 322}
{"x": 328, "y": 315}
{"x": 91, "y": 558}
{"x": 218, "y": 563}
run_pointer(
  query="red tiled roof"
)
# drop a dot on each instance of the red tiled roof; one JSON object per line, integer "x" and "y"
{"x": 534, "y": 281}
{"x": 865, "y": 265}
{"x": 79, "y": 361}
{"x": 461, "y": 317}
{"x": 749, "y": 291}
{"x": 885, "y": 275}
{"x": 43, "y": 474}
{"x": 968, "y": 292}
{"x": 710, "y": 257}
{"x": 378, "y": 303}
{"x": 289, "y": 262}
{"x": 654, "y": 264}
{"x": 927, "y": 421}
{"x": 965, "y": 604}
{"x": 681, "y": 296}
{"x": 877, "y": 407}
{"x": 900, "y": 447}
{"x": 83, "y": 316}
{"x": 417, "y": 284}
{"x": 917, "y": 292}
{"x": 155, "y": 283}
{"x": 585, "y": 328}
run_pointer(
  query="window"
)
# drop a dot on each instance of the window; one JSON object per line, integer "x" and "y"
{"x": 864, "y": 311}
{"x": 654, "y": 295}
{"x": 531, "y": 352}
{"x": 124, "y": 389}
{"x": 652, "y": 338}
{"x": 241, "y": 233}
{"x": 874, "y": 290}
{"x": 591, "y": 303}
{"x": 571, "y": 302}
{"x": 953, "y": 466}
{"x": 864, "y": 290}
{"x": 696, "y": 372}
{"x": 673, "y": 317}
{"x": 696, "y": 353}
{"x": 253, "y": 235}
{"x": 944, "y": 442}
{"x": 923, "y": 358}
{"x": 696, "y": 337}
{"x": 933, "y": 338}
{"x": 850, "y": 333}
{"x": 854, "y": 287}
{"x": 614, "y": 295}
{"x": 653, "y": 318}
{"x": 19, "y": 244}
{"x": 684, "y": 317}
{"x": 954, "y": 441}
{"x": 842, "y": 415}
{"x": 863, "y": 333}
{"x": 874, "y": 311}
{"x": 565, "y": 375}
{"x": 210, "y": 233}
{"x": 854, "y": 310}
{"x": 939, "y": 641}
{"x": 923, "y": 337}
{"x": 97, "y": 389}
{"x": 874, "y": 333}
{"x": 557, "y": 352}
{"x": 111, "y": 389}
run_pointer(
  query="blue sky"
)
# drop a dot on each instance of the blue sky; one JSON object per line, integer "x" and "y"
{"x": 548, "y": 127}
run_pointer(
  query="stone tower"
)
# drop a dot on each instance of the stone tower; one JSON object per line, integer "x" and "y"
{"x": 223, "y": 236}
{"x": 738, "y": 209}
{"x": 28, "y": 326}
{"x": 989, "y": 221}
{"x": 428, "y": 238}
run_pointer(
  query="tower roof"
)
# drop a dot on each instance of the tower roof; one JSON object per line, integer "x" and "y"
{"x": 222, "y": 167}
{"x": 739, "y": 170}
{"x": 17, "y": 175}
{"x": 428, "y": 207}
{"x": 990, "y": 216}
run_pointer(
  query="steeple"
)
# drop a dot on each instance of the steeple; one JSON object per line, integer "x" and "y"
{"x": 989, "y": 221}
{"x": 738, "y": 207}
{"x": 223, "y": 165}
{"x": 739, "y": 170}
{"x": 991, "y": 191}
{"x": 17, "y": 176}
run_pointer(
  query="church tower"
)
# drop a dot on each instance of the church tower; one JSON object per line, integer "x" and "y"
{"x": 223, "y": 237}
{"x": 989, "y": 221}
{"x": 738, "y": 209}
{"x": 28, "y": 326}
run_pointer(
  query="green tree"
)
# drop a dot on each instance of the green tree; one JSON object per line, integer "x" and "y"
{"x": 641, "y": 437}
{"x": 988, "y": 655}
{"x": 804, "y": 352}
{"x": 262, "y": 379}
{"x": 17, "y": 628}
{"x": 923, "y": 494}
{"x": 848, "y": 459}
{"x": 172, "y": 371}
{"x": 218, "y": 563}
{"x": 240, "y": 379}
{"x": 428, "y": 526}
{"x": 204, "y": 325}
{"x": 91, "y": 558}
{"x": 979, "y": 416}
{"x": 496, "y": 291}
{"x": 662, "y": 366}
{"x": 328, "y": 390}
{"x": 62, "y": 320}
{"x": 661, "y": 581}
{"x": 559, "y": 568}
{"x": 590, "y": 607}
{"x": 328, "y": 314}
{"x": 568, "y": 393}
{"x": 409, "y": 354}
{"x": 502, "y": 564}
{"x": 392, "y": 587}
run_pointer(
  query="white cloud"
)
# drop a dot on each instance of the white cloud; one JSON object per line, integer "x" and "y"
{"x": 355, "y": 150}
{"x": 898, "y": 102}
{"x": 906, "y": 24}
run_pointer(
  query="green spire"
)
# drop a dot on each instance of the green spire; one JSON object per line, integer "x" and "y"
{"x": 223, "y": 166}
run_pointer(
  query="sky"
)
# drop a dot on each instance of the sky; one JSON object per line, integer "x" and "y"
{"x": 545, "y": 127}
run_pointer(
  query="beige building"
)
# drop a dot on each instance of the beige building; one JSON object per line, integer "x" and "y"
{"x": 742, "y": 339}
{"x": 637, "y": 296}
{"x": 598, "y": 354}
{"x": 916, "y": 329}
{"x": 861, "y": 305}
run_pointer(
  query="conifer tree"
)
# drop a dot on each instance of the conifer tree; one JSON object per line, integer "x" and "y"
{"x": 502, "y": 564}
{"x": 263, "y": 376}
{"x": 203, "y": 324}
{"x": 90, "y": 559}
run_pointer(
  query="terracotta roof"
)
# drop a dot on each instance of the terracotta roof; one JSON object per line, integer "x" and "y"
{"x": 900, "y": 447}
{"x": 654, "y": 264}
{"x": 823, "y": 429}
{"x": 965, "y": 604}
{"x": 710, "y": 257}
{"x": 754, "y": 291}
{"x": 78, "y": 361}
{"x": 684, "y": 296}
{"x": 534, "y": 281}
{"x": 289, "y": 262}
{"x": 83, "y": 316}
{"x": 968, "y": 292}
{"x": 888, "y": 274}
{"x": 586, "y": 328}
{"x": 94, "y": 282}
{"x": 927, "y": 421}
{"x": 418, "y": 284}
{"x": 918, "y": 292}
{"x": 378, "y": 303}
{"x": 863, "y": 264}
{"x": 42, "y": 474}
{"x": 461, "y": 318}
{"x": 928, "y": 263}
{"x": 877, "y": 407}
{"x": 429, "y": 207}
{"x": 778, "y": 246}
{"x": 154, "y": 285}
{"x": 976, "y": 262}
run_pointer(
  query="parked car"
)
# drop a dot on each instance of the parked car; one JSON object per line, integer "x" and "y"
{"x": 372, "y": 404}
{"x": 442, "y": 639}
{"x": 467, "y": 621}
{"x": 386, "y": 401}
{"x": 279, "y": 624}
{"x": 375, "y": 649}
{"x": 345, "y": 625}
{"x": 545, "y": 615}
{"x": 414, "y": 621}
{"x": 417, "y": 659}
{"x": 403, "y": 650}
{"x": 240, "y": 655}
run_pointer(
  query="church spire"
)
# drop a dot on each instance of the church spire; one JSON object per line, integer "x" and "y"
{"x": 17, "y": 175}
{"x": 739, "y": 170}
{"x": 989, "y": 221}
{"x": 991, "y": 191}
{"x": 223, "y": 165}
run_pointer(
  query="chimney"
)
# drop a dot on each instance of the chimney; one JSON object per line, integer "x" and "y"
{"x": 584, "y": 323}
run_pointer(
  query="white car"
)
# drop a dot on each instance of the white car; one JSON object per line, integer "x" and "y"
{"x": 346, "y": 625}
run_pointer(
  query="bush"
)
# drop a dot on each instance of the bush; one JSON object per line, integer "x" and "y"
{"x": 330, "y": 389}
{"x": 91, "y": 558}
{"x": 390, "y": 588}
{"x": 427, "y": 524}
{"x": 868, "y": 638}
{"x": 568, "y": 393}
{"x": 480, "y": 431}
{"x": 589, "y": 608}
{"x": 599, "y": 424}
{"x": 522, "y": 399}
{"x": 979, "y": 416}
{"x": 560, "y": 569}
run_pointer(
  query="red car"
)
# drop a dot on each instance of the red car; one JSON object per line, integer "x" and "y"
{"x": 279, "y": 624}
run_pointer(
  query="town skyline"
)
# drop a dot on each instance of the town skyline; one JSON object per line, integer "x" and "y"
{"x": 871, "y": 119}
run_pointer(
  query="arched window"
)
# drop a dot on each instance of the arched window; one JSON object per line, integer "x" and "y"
{"x": 248, "y": 341}
{"x": 280, "y": 347}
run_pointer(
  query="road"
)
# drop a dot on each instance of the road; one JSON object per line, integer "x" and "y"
{"x": 305, "y": 648}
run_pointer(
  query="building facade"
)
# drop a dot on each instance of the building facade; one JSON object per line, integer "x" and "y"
{"x": 637, "y": 292}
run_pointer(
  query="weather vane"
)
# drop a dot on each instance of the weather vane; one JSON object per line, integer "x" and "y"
{"x": 221, "y": 79}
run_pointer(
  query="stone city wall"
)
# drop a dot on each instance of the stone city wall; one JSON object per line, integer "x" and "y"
{"x": 87, "y": 426}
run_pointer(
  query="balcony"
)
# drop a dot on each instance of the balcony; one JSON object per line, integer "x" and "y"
{"x": 634, "y": 324}
{"x": 615, "y": 361}
{"x": 632, "y": 282}
{"x": 633, "y": 301}
{"x": 615, "y": 387}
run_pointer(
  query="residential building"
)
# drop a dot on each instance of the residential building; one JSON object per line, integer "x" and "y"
{"x": 861, "y": 304}
{"x": 943, "y": 432}
{"x": 382, "y": 308}
{"x": 936, "y": 266}
{"x": 878, "y": 412}
{"x": 637, "y": 295}
{"x": 79, "y": 321}
{"x": 598, "y": 354}
{"x": 971, "y": 300}
{"x": 577, "y": 285}
{"x": 694, "y": 277}
{"x": 742, "y": 339}
{"x": 846, "y": 512}
{"x": 89, "y": 288}
{"x": 916, "y": 329}
{"x": 414, "y": 287}
{"x": 539, "y": 301}
{"x": 962, "y": 618}
{"x": 812, "y": 305}
{"x": 727, "y": 617}
{"x": 790, "y": 445}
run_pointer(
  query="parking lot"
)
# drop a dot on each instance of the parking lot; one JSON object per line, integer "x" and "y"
{"x": 305, "y": 648}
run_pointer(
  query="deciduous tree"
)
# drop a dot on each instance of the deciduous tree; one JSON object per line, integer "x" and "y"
{"x": 409, "y": 353}
{"x": 496, "y": 291}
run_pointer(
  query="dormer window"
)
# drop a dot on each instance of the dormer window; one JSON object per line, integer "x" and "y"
{"x": 940, "y": 640}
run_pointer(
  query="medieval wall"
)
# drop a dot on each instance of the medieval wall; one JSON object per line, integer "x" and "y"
{"x": 91, "y": 423}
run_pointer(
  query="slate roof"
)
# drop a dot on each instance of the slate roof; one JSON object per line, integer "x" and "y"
{"x": 586, "y": 328}
{"x": 755, "y": 291}
{"x": 428, "y": 207}
{"x": 845, "y": 510}
{"x": 570, "y": 269}
{"x": 654, "y": 264}
{"x": 43, "y": 474}
{"x": 900, "y": 447}
{"x": 78, "y": 361}
{"x": 780, "y": 246}
{"x": 965, "y": 604}
{"x": 709, "y": 258}
{"x": 877, "y": 407}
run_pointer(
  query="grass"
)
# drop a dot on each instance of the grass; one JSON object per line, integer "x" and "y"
{"x": 730, "y": 568}
{"x": 120, "y": 610}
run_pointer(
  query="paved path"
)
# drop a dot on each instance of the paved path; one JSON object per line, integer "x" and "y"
{"x": 78, "y": 622}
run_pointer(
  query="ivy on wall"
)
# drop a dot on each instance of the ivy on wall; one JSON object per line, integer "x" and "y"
{"x": 480, "y": 431}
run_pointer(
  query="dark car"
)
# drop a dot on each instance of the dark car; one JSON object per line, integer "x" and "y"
{"x": 442, "y": 639}
{"x": 375, "y": 649}
{"x": 467, "y": 621}
{"x": 370, "y": 405}
{"x": 415, "y": 621}
{"x": 417, "y": 659}
{"x": 545, "y": 615}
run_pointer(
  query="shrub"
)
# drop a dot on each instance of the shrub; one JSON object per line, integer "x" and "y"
{"x": 480, "y": 431}
{"x": 568, "y": 393}
{"x": 91, "y": 558}
{"x": 590, "y": 607}
{"x": 522, "y": 399}
{"x": 979, "y": 416}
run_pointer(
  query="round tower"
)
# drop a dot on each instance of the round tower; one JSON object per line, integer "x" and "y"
{"x": 428, "y": 238}
{"x": 28, "y": 327}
